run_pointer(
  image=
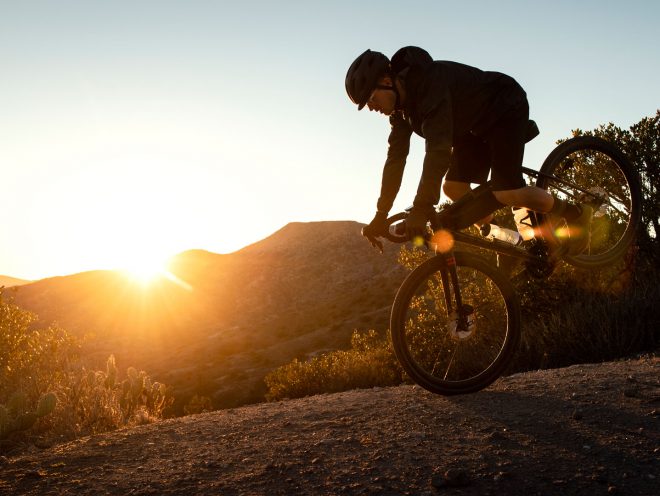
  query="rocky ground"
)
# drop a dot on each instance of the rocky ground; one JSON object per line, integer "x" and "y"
{"x": 585, "y": 429}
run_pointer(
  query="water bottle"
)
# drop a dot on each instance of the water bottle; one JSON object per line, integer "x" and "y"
{"x": 523, "y": 222}
{"x": 491, "y": 231}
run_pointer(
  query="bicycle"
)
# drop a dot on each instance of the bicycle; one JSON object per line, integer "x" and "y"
{"x": 455, "y": 321}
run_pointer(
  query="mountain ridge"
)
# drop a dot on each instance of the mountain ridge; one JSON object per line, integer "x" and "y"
{"x": 235, "y": 316}
{"x": 9, "y": 281}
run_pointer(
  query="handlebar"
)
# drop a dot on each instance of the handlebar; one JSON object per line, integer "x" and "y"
{"x": 396, "y": 232}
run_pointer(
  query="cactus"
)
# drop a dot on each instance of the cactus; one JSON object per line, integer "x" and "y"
{"x": 16, "y": 418}
{"x": 25, "y": 421}
{"x": 111, "y": 374}
{"x": 137, "y": 385}
{"x": 17, "y": 403}
{"x": 46, "y": 404}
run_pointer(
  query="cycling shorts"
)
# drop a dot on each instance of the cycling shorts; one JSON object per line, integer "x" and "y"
{"x": 499, "y": 152}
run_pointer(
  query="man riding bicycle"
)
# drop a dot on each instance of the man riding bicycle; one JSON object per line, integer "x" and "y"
{"x": 473, "y": 122}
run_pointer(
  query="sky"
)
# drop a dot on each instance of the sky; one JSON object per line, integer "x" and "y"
{"x": 134, "y": 130}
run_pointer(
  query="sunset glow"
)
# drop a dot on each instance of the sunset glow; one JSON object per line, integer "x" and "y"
{"x": 146, "y": 270}
{"x": 197, "y": 125}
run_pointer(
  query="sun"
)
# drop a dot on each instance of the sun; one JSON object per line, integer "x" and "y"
{"x": 150, "y": 271}
{"x": 144, "y": 274}
{"x": 146, "y": 268}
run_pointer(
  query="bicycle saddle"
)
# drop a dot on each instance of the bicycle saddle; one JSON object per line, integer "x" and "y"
{"x": 532, "y": 131}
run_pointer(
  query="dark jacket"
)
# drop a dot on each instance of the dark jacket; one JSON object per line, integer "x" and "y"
{"x": 444, "y": 100}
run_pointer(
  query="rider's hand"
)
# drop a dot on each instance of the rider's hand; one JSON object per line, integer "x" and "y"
{"x": 416, "y": 222}
{"x": 377, "y": 227}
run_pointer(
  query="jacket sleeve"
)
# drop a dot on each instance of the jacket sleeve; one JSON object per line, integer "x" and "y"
{"x": 397, "y": 153}
{"x": 437, "y": 131}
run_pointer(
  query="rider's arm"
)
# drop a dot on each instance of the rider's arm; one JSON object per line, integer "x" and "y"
{"x": 437, "y": 131}
{"x": 397, "y": 152}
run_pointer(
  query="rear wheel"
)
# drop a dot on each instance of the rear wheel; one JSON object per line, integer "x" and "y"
{"x": 590, "y": 170}
{"x": 449, "y": 352}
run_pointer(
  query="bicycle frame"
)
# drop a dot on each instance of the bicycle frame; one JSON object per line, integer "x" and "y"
{"x": 449, "y": 276}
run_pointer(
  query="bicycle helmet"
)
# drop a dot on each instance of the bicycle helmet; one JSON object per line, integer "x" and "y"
{"x": 409, "y": 56}
{"x": 363, "y": 75}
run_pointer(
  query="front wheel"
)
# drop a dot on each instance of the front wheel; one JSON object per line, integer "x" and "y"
{"x": 590, "y": 170}
{"x": 450, "y": 351}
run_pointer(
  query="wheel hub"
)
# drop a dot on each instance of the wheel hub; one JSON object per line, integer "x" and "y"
{"x": 462, "y": 324}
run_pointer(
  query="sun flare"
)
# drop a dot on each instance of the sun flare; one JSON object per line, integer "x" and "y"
{"x": 151, "y": 271}
{"x": 146, "y": 270}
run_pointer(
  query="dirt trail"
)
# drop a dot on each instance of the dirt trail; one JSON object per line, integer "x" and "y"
{"x": 586, "y": 429}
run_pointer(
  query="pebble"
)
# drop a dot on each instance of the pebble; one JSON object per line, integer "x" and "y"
{"x": 454, "y": 477}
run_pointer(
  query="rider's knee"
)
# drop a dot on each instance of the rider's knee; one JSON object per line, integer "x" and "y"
{"x": 454, "y": 190}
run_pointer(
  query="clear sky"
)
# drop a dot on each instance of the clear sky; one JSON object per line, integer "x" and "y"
{"x": 133, "y": 129}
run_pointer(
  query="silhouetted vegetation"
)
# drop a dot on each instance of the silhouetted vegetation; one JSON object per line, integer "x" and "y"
{"x": 574, "y": 316}
{"x": 369, "y": 362}
{"x": 47, "y": 395}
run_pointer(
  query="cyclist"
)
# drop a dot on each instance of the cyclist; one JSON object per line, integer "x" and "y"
{"x": 473, "y": 122}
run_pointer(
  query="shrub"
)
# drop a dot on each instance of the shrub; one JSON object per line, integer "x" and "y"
{"x": 46, "y": 393}
{"x": 370, "y": 362}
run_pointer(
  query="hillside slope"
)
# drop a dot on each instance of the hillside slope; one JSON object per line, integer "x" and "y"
{"x": 582, "y": 430}
{"x": 226, "y": 320}
{"x": 9, "y": 282}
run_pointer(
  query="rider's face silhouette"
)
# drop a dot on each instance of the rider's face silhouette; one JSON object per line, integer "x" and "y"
{"x": 383, "y": 100}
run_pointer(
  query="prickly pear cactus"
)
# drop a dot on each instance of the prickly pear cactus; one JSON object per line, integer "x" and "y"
{"x": 46, "y": 404}
{"x": 15, "y": 416}
{"x": 17, "y": 403}
{"x": 25, "y": 421}
{"x": 111, "y": 372}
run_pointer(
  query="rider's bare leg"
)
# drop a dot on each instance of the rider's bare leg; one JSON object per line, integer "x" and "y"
{"x": 529, "y": 197}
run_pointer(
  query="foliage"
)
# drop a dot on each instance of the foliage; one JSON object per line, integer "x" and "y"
{"x": 370, "y": 362}
{"x": 578, "y": 316}
{"x": 16, "y": 417}
{"x": 46, "y": 393}
{"x": 641, "y": 144}
{"x": 198, "y": 404}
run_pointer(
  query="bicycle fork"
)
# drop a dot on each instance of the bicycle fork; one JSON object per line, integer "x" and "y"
{"x": 461, "y": 317}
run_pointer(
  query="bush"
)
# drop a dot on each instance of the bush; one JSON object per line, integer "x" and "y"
{"x": 47, "y": 394}
{"x": 370, "y": 362}
{"x": 579, "y": 316}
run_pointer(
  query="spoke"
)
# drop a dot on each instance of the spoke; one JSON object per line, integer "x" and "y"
{"x": 451, "y": 360}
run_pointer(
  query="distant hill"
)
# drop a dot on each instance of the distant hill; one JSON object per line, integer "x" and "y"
{"x": 8, "y": 281}
{"x": 300, "y": 291}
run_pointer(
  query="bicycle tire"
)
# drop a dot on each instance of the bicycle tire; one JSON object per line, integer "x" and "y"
{"x": 591, "y": 169}
{"x": 422, "y": 334}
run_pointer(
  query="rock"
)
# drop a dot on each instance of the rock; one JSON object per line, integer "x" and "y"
{"x": 454, "y": 477}
{"x": 631, "y": 392}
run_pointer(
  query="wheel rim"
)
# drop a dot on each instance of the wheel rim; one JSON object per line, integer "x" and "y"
{"x": 439, "y": 349}
{"x": 594, "y": 177}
